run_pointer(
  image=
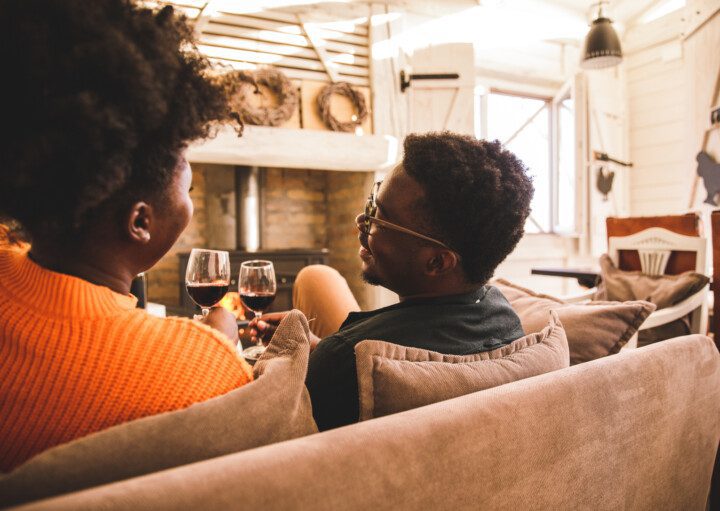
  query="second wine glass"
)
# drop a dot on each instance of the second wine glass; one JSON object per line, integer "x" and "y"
{"x": 208, "y": 277}
{"x": 257, "y": 289}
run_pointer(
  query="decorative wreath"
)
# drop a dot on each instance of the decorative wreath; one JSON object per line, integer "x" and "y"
{"x": 240, "y": 83}
{"x": 344, "y": 89}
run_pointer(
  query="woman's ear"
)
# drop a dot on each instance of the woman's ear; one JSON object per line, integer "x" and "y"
{"x": 139, "y": 222}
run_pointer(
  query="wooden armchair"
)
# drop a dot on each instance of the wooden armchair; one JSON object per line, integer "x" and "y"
{"x": 688, "y": 224}
{"x": 660, "y": 251}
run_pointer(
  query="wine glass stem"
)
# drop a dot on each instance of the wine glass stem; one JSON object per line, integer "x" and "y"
{"x": 259, "y": 337}
{"x": 205, "y": 311}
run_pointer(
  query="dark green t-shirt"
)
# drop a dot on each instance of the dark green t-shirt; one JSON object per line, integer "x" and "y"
{"x": 453, "y": 325}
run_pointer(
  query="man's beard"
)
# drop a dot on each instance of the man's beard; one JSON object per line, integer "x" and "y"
{"x": 371, "y": 279}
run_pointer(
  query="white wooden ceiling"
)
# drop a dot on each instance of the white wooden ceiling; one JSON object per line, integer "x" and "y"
{"x": 623, "y": 11}
{"x": 328, "y": 40}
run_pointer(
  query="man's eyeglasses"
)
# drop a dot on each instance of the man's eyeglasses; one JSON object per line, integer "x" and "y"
{"x": 371, "y": 208}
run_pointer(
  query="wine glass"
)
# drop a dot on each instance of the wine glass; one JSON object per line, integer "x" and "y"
{"x": 207, "y": 278}
{"x": 257, "y": 289}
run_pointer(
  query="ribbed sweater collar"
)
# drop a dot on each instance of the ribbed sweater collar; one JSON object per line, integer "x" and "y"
{"x": 56, "y": 294}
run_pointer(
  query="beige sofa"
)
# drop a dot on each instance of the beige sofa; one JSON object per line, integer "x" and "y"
{"x": 638, "y": 430}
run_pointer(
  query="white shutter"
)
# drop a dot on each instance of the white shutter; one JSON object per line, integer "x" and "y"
{"x": 436, "y": 105}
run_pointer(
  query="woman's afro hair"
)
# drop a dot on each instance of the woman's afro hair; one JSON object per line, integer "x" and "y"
{"x": 99, "y": 98}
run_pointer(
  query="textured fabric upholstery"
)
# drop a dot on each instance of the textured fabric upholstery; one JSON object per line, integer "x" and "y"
{"x": 635, "y": 431}
{"x": 273, "y": 408}
{"x": 594, "y": 329}
{"x": 394, "y": 378}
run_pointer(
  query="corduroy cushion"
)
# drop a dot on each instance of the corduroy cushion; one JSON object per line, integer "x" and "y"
{"x": 274, "y": 407}
{"x": 394, "y": 378}
{"x": 594, "y": 329}
{"x": 663, "y": 290}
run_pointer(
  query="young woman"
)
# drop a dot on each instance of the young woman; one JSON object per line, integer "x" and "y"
{"x": 99, "y": 101}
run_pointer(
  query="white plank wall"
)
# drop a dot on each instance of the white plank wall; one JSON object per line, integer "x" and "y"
{"x": 702, "y": 68}
{"x": 670, "y": 82}
{"x": 656, "y": 96}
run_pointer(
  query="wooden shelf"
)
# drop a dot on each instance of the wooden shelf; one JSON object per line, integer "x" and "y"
{"x": 298, "y": 149}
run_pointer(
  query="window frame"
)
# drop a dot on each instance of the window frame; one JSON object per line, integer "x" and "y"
{"x": 552, "y": 103}
{"x": 567, "y": 90}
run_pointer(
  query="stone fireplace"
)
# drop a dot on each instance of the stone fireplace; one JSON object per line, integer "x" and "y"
{"x": 302, "y": 213}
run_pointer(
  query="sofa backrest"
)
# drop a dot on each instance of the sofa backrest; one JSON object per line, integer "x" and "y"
{"x": 637, "y": 430}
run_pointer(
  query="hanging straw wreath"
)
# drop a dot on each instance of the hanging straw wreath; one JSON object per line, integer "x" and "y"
{"x": 357, "y": 99}
{"x": 239, "y": 84}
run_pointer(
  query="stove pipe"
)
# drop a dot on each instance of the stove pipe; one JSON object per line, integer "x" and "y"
{"x": 248, "y": 208}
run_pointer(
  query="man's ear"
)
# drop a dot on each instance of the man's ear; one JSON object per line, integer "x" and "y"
{"x": 139, "y": 222}
{"x": 441, "y": 262}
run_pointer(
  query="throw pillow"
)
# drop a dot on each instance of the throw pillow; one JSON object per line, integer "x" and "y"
{"x": 663, "y": 290}
{"x": 274, "y": 407}
{"x": 394, "y": 378}
{"x": 594, "y": 329}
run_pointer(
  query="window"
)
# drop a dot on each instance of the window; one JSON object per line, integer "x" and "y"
{"x": 541, "y": 132}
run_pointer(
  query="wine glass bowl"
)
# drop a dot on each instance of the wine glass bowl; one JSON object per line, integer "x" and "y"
{"x": 207, "y": 278}
{"x": 257, "y": 287}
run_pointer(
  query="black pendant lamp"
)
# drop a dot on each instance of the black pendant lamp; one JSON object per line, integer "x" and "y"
{"x": 602, "y": 44}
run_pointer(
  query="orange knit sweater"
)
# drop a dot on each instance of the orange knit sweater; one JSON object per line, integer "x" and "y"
{"x": 77, "y": 358}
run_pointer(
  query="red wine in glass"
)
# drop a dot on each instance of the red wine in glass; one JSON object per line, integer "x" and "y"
{"x": 257, "y": 302}
{"x": 207, "y": 278}
{"x": 257, "y": 288}
{"x": 207, "y": 295}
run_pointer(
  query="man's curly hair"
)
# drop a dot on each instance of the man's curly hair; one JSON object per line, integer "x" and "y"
{"x": 99, "y": 98}
{"x": 476, "y": 196}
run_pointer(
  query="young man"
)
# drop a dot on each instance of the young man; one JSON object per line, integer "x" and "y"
{"x": 433, "y": 232}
